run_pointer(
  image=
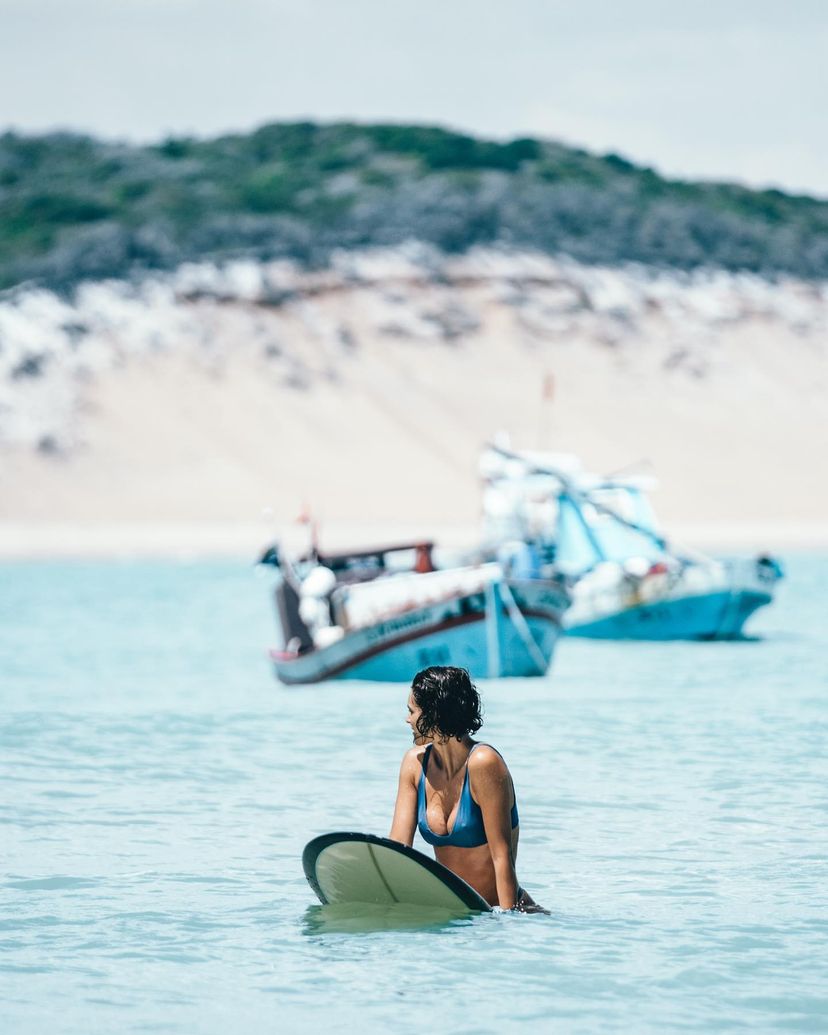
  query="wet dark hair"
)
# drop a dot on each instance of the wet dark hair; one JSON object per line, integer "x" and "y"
{"x": 449, "y": 701}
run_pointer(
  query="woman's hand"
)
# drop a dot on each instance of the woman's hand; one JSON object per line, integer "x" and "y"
{"x": 526, "y": 904}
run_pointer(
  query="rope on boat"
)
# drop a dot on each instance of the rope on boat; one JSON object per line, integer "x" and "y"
{"x": 523, "y": 630}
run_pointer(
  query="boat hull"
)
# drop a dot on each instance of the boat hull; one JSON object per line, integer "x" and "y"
{"x": 477, "y": 631}
{"x": 709, "y": 616}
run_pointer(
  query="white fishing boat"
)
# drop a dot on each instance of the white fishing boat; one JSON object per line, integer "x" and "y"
{"x": 602, "y": 535}
{"x": 385, "y": 613}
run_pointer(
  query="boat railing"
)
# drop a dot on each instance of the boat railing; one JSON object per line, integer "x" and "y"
{"x": 605, "y": 591}
{"x": 759, "y": 574}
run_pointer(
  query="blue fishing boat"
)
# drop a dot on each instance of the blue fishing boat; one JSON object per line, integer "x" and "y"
{"x": 627, "y": 581}
{"x": 385, "y": 613}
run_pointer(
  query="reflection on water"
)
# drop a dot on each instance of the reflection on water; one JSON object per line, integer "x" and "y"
{"x": 364, "y": 918}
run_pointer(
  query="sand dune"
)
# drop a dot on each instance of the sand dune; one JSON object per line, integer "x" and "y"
{"x": 365, "y": 395}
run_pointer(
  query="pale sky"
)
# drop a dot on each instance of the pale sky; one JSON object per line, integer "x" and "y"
{"x": 715, "y": 89}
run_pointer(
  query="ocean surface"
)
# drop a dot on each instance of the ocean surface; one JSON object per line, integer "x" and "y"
{"x": 158, "y": 786}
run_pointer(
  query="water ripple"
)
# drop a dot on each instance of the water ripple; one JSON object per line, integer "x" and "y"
{"x": 157, "y": 801}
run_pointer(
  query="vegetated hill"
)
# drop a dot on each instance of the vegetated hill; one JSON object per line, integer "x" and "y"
{"x": 72, "y": 207}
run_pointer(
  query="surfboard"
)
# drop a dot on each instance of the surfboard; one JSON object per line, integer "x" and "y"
{"x": 347, "y": 867}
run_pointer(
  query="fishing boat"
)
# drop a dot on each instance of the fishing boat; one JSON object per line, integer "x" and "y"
{"x": 385, "y": 613}
{"x": 627, "y": 581}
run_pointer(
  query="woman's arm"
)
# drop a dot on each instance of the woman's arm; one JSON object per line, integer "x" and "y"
{"x": 492, "y": 790}
{"x": 404, "y": 822}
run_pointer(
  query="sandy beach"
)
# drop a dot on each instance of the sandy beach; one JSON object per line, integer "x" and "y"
{"x": 363, "y": 404}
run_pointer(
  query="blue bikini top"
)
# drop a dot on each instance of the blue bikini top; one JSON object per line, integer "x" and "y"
{"x": 468, "y": 830}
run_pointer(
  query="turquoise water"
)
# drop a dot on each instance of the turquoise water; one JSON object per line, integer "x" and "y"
{"x": 158, "y": 788}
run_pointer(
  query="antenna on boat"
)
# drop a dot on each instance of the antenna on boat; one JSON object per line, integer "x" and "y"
{"x": 633, "y": 468}
{"x": 306, "y": 518}
{"x": 547, "y": 397}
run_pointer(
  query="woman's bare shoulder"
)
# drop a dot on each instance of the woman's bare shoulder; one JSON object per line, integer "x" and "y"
{"x": 486, "y": 760}
{"x": 413, "y": 758}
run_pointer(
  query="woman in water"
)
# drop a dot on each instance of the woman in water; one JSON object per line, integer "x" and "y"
{"x": 457, "y": 791}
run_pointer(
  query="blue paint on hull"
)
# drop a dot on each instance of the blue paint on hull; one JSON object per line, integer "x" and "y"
{"x": 509, "y": 630}
{"x": 709, "y": 616}
{"x": 465, "y": 647}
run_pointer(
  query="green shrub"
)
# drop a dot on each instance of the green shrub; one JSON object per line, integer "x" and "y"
{"x": 72, "y": 206}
